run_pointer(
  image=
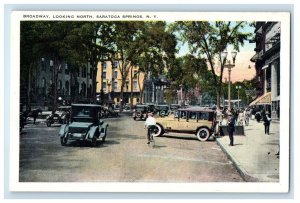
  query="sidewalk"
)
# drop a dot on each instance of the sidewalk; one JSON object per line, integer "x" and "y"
{"x": 254, "y": 154}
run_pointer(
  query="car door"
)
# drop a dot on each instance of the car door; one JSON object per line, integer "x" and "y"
{"x": 192, "y": 123}
{"x": 179, "y": 123}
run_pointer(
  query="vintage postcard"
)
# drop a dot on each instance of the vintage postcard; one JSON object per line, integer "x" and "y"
{"x": 149, "y": 101}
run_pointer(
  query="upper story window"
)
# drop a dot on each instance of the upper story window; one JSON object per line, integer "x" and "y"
{"x": 135, "y": 85}
{"x": 67, "y": 69}
{"x": 115, "y": 86}
{"x": 83, "y": 73}
{"x": 91, "y": 73}
{"x": 115, "y": 74}
{"x": 104, "y": 66}
{"x": 116, "y": 64}
{"x": 104, "y": 86}
{"x": 104, "y": 75}
{"x": 51, "y": 65}
{"x": 43, "y": 65}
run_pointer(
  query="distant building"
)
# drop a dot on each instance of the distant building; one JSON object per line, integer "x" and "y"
{"x": 154, "y": 89}
{"x": 74, "y": 84}
{"x": 109, "y": 82}
{"x": 267, "y": 64}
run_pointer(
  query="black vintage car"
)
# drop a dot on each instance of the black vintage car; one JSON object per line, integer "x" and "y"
{"x": 86, "y": 125}
{"x": 61, "y": 116}
{"x": 140, "y": 112}
{"x": 173, "y": 108}
{"x": 162, "y": 110}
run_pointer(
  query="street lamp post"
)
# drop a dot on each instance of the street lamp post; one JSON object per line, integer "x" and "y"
{"x": 229, "y": 66}
{"x": 238, "y": 89}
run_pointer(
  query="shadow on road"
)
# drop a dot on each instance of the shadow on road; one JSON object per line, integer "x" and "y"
{"x": 179, "y": 137}
{"x": 86, "y": 144}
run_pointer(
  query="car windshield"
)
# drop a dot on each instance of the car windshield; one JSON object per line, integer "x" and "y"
{"x": 163, "y": 107}
{"x": 140, "y": 108}
{"x": 84, "y": 111}
{"x": 174, "y": 107}
{"x": 63, "y": 109}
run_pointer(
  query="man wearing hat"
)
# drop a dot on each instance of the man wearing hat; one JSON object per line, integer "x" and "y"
{"x": 267, "y": 121}
{"x": 231, "y": 124}
{"x": 150, "y": 125}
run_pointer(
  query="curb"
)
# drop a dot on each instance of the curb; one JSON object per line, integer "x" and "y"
{"x": 246, "y": 177}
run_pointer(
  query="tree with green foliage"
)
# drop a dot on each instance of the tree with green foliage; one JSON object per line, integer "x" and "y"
{"x": 154, "y": 51}
{"x": 209, "y": 40}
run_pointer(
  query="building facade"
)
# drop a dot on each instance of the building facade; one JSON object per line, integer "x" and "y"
{"x": 267, "y": 64}
{"x": 109, "y": 82}
{"x": 73, "y": 84}
{"x": 154, "y": 89}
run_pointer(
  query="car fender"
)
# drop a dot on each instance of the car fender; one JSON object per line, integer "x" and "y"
{"x": 209, "y": 129}
{"x": 92, "y": 132}
{"x": 63, "y": 129}
{"x": 103, "y": 126}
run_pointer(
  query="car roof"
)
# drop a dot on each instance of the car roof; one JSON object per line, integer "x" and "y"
{"x": 196, "y": 108}
{"x": 88, "y": 105}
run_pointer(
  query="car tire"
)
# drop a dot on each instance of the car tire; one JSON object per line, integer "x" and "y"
{"x": 63, "y": 141}
{"x": 134, "y": 118}
{"x": 203, "y": 134}
{"x": 103, "y": 138}
{"x": 160, "y": 131}
{"x": 48, "y": 124}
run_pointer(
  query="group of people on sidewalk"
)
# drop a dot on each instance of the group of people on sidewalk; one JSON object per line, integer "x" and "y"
{"x": 240, "y": 117}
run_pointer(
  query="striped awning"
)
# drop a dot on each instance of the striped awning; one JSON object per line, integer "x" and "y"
{"x": 262, "y": 100}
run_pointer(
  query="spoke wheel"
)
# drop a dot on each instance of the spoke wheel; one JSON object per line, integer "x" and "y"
{"x": 158, "y": 131}
{"x": 203, "y": 134}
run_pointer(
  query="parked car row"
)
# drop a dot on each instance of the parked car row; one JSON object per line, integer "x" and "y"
{"x": 83, "y": 122}
{"x": 141, "y": 110}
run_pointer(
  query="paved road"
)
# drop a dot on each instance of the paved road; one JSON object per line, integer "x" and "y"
{"x": 124, "y": 157}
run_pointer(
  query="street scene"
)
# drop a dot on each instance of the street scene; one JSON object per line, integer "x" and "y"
{"x": 139, "y": 101}
{"x": 123, "y": 157}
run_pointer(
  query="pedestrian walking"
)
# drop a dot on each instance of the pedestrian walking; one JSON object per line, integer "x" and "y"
{"x": 231, "y": 124}
{"x": 247, "y": 116}
{"x": 267, "y": 122}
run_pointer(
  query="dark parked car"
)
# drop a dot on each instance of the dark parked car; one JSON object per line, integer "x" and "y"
{"x": 162, "y": 110}
{"x": 85, "y": 125}
{"x": 173, "y": 108}
{"x": 61, "y": 116}
{"x": 140, "y": 112}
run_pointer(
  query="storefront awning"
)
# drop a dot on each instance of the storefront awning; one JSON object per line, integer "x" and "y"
{"x": 262, "y": 100}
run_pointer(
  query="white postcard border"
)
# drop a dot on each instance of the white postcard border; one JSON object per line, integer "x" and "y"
{"x": 282, "y": 186}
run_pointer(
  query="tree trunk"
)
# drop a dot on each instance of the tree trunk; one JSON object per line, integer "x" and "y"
{"x": 131, "y": 88}
{"x": 56, "y": 64}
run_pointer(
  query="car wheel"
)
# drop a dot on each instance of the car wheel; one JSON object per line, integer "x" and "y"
{"x": 134, "y": 118}
{"x": 103, "y": 139}
{"x": 202, "y": 134}
{"x": 158, "y": 131}
{"x": 63, "y": 141}
{"x": 48, "y": 124}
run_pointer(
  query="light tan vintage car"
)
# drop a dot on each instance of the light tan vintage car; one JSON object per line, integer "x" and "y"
{"x": 192, "y": 120}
